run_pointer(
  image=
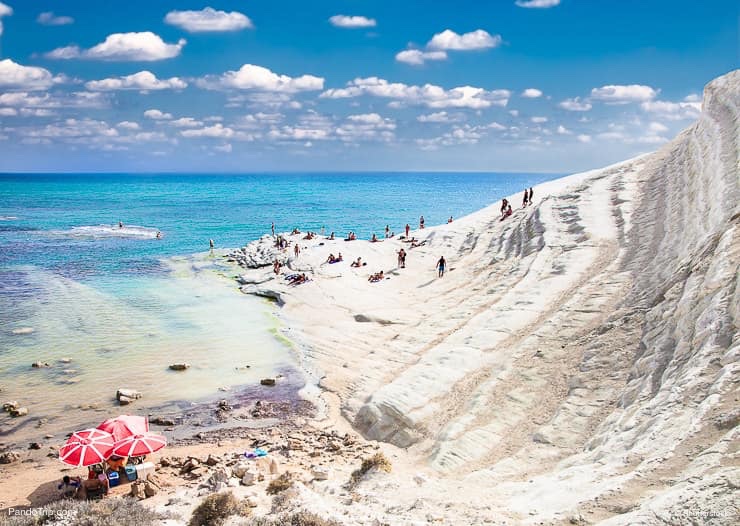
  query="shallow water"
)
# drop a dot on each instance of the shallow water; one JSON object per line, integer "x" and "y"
{"x": 111, "y": 307}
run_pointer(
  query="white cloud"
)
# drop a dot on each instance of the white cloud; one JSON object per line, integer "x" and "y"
{"x": 78, "y": 99}
{"x": 208, "y": 19}
{"x": 575, "y": 104}
{"x": 225, "y": 148}
{"x": 440, "y": 116}
{"x": 692, "y": 98}
{"x": 74, "y": 128}
{"x": 298, "y": 133}
{"x": 584, "y": 138}
{"x": 128, "y": 125}
{"x": 417, "y": 57}
{"x": 37, "y": 112}
{"x": 531, "y": 93}
{"x": 5, "y": 10}
{"x": 514, "y": 113}
{"x": 143, "y": 80}
{"x": 449, "y": 40}
{"x": 16, "y": 76}
{"x": 8, "y": 112}
{"x": 562, "y": 130}
{"x": 144, "y": 46}
{"x": 537, "y": 4}
{"x": 186, "y": 122}
{"x": 539, "y": 120}
{"x": 673, "y": 110}
{"x": 352, "y": 21}
{"x": 50, "y": 19}
{"x": 618, "y": 94}
{"x": 218, "y": 130}
{"x": 496, "y": 126}
{"x": 251, "y": 77}
{"x": 157, "y": 115}
{"x": 367, "y": 126}
{"x": 428, "y": 94}
{"x": 657, "y": 127}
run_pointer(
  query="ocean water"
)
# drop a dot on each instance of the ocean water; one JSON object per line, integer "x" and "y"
{"x": 111, "y": 307}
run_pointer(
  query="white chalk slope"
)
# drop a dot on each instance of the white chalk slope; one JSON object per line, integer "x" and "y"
{"x": 578, "y": 359}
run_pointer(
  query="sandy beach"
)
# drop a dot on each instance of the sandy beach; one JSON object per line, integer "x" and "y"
{"x": 576, "y": 364}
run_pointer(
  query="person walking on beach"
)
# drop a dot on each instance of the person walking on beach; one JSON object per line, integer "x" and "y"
{"x": 421, "y": 223}
{"x": 297, "y": 249}
{"x": 441, "y": 266}
{"x": 402, "y": 258}
{"x": 526, "y": 198}
{"x": 531, "y": 194}
{"x": 273, "y": 228}
{"x": 407, "y": 229}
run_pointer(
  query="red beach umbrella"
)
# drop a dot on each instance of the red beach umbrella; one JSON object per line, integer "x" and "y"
{"x": 87, "y": 447}
{"x": 138, "y": 445}
{"x": 124, "y": 426}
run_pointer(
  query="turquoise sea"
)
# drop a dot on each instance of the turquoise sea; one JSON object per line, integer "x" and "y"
{"x": 109, "y": 307}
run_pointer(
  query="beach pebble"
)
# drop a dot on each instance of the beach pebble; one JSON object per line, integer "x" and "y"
{"x": 162, "y": 421}
{"x": 126, "y": 396}
{"x": 248, "y": 479}
{"x": 34, "y": 445}
{"x": 320, "y": 473}
{"x": 23, "y": 330}
{"x": 267, "y": 381}
{"x": 10, "y": 406}
{"x": 21, "y": 411}
{"x": 179, "y": 366}
{"x": 9, "y": 457}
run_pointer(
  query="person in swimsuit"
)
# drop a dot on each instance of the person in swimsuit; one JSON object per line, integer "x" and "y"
{"x": 441, "y": 266}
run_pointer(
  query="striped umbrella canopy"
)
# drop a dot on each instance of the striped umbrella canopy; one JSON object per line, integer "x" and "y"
{"x": 138, "y": 445}
{"x": 124, "y": 426}
{"x": 87, "y": 447}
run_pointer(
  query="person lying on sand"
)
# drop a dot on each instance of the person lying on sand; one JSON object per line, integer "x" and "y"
{"x": 332, "y": 259}
{"x": 296, "y": 231}
{"x": 409, "y": 240}
{"x": 378, "y": 276}
{"x": 69, "y": 486}
{"x": 415, "y": 243}
{"x": 350, "y": 236}
{"x": 298, "y": 279}
{"x": 375, "y": 239}
{"x": 309, "y": 236}
{"x": 358, "y": 263}
{"x": 331, "y": 237}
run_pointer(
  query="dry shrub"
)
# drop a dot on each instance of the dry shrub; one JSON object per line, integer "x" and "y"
{"x": 378, "y": 462}
{"x": 298, "y": 518}
{"x": 216, "y": 508}
{"x": 281, "y": 483}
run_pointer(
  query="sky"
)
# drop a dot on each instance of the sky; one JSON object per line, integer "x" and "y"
{"x": 355, "y": 85}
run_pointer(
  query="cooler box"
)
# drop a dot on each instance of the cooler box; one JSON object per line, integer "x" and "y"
{"x": 144, "y": 470}
{"x": 113, "y": 479}
{"x": 131, "y": 473}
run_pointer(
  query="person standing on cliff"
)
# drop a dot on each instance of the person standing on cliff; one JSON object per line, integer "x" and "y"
{"x": 421, "y": 223}
{"x": 273, "y": 228}
{"x": 441, "y": 266}
{"x": 210, "y": 241}
{"x": 531, "y": 196}
{"x": 525, "y": 201}
{"x": 297, "y": 249}
{"x": 407, "y": 230}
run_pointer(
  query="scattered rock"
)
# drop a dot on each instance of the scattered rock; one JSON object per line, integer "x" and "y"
{"x": 10, "y": 406}
{"x": 34, "y": 445}
{"x": 40, "y": 364}
{"x": 8, "y": 457}
{"x": 320, "y": 473}
{"x": 179, "y": 366}
{"x": 23, "y": 330}
{"x": 540, "y": 438}
{"x": 162, "y": 421}
{"x": 137, "y": 490}
{"x": 21, "y": 411}
{"x": 126, "y": 396}
{"x": 728, "y": 420}
{"x": 267, "y": 381}
{"x": 248, "y": 479}
{"x": 211, "y": 460}
{"x": 240, "y": 469}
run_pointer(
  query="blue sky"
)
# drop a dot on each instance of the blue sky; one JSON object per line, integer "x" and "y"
{"x": 241, "y": 86}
